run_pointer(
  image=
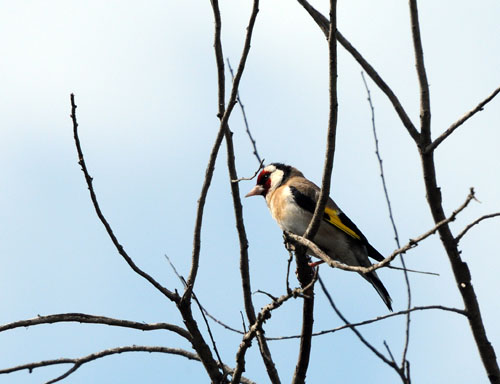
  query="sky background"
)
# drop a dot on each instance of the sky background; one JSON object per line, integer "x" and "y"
{"x": 144, "y": 77}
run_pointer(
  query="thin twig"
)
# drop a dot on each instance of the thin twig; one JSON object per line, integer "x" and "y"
{"x": 261, "y": 165}
{"x": 289, "y": 264}
{"x": 432, "y": 146}
{"x": 208, "y": 314}
{"x": 272, "y": 297}
{"x": 389, "y": 352}
{"x": 358, "y": 334}
{"x": 374, "y": 320}
{"x": 393, "y": 222}
{"x": 412, "y": 270}
{"x": 380, "y": 163}
{"x": 475, "y": 222}
{"x": 202, "y": 310}
{"x": 243, "y": 323}
{"x": 81, "y": 161}
{"x": 242, "y": 107}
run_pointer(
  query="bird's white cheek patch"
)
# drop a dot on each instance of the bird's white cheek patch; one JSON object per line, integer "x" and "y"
{"x": 276, "y": 178}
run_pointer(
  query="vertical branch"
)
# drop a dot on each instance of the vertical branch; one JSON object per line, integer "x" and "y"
{"x": 244, "y": 262}
{"x": 304, "y": 271}
{"x": 425, "y": 104}
{"x": 459, "y": 267}
{"x": 460, "y": 270}
{"x": 332, "y": 126}
{"x": 185, "y": 304}
{"x": 195, "y": 258}
{"x": 235, "y": 191}
{"x": 305, "y": 276}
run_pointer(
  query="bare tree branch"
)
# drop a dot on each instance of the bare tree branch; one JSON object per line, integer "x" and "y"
{"x": 184, "y": 306}
{"x": 81, "y": 161}
{"x": 374, "y": 320}
{"x": 412, "y": 270}
{"x": 242, "y": 107}
{"x": 306, "y": 277}
{"x": 432, "y": 146}
{"x": 289, "y": 263}
{"x": 391, "y": 217}
{"x": 425, "y": 103}
{"x": 389, "y": 352}
{"x": 261, "y": 165}
{"x": 202, "y": 308}
{"x": 460, "y": 269}
{"x": 263, "y": 315}
{"x": 358, "y": 334}
{"x": 92, "y": 319}
{"x": 411, "y": 244}
{"x": 208, "y": 176}
{"x": 314, "y": 224}
{"x": 303, "y": 269}
{"x": 323, "y": 23}
{"x": 222, "y": 131}
{"x": 380, "y": 163}
{"x": 235, "y": 192}
{"x": 78, "y": 362}
{"x": 475, "y": 222}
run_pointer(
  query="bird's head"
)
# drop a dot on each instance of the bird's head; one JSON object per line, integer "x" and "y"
{"x": 270, "y": 178}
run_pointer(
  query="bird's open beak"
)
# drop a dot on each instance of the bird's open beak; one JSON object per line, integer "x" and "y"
{"x": 257, "y": 190}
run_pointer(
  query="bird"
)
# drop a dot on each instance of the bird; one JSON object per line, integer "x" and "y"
{"x": 291, "y": 199}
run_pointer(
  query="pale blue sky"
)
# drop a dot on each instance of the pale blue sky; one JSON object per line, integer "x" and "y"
{"x": 144, "y": 77}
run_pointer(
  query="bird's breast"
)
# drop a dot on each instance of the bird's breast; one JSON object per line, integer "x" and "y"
{"x": 287, "y": 213}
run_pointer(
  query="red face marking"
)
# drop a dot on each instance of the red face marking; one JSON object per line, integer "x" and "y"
{"x": 264, "y": 180}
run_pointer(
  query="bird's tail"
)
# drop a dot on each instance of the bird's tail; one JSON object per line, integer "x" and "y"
{"x": 379, "y": 287}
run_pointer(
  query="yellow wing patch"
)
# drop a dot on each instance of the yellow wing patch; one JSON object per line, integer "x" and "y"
{"x": 333, "y": 218}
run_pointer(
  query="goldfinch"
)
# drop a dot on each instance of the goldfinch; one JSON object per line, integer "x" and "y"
{"x": 292, "y": 198}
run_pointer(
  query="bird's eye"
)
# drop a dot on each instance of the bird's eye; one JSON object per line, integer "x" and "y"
{"x": 263, "y": 177}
